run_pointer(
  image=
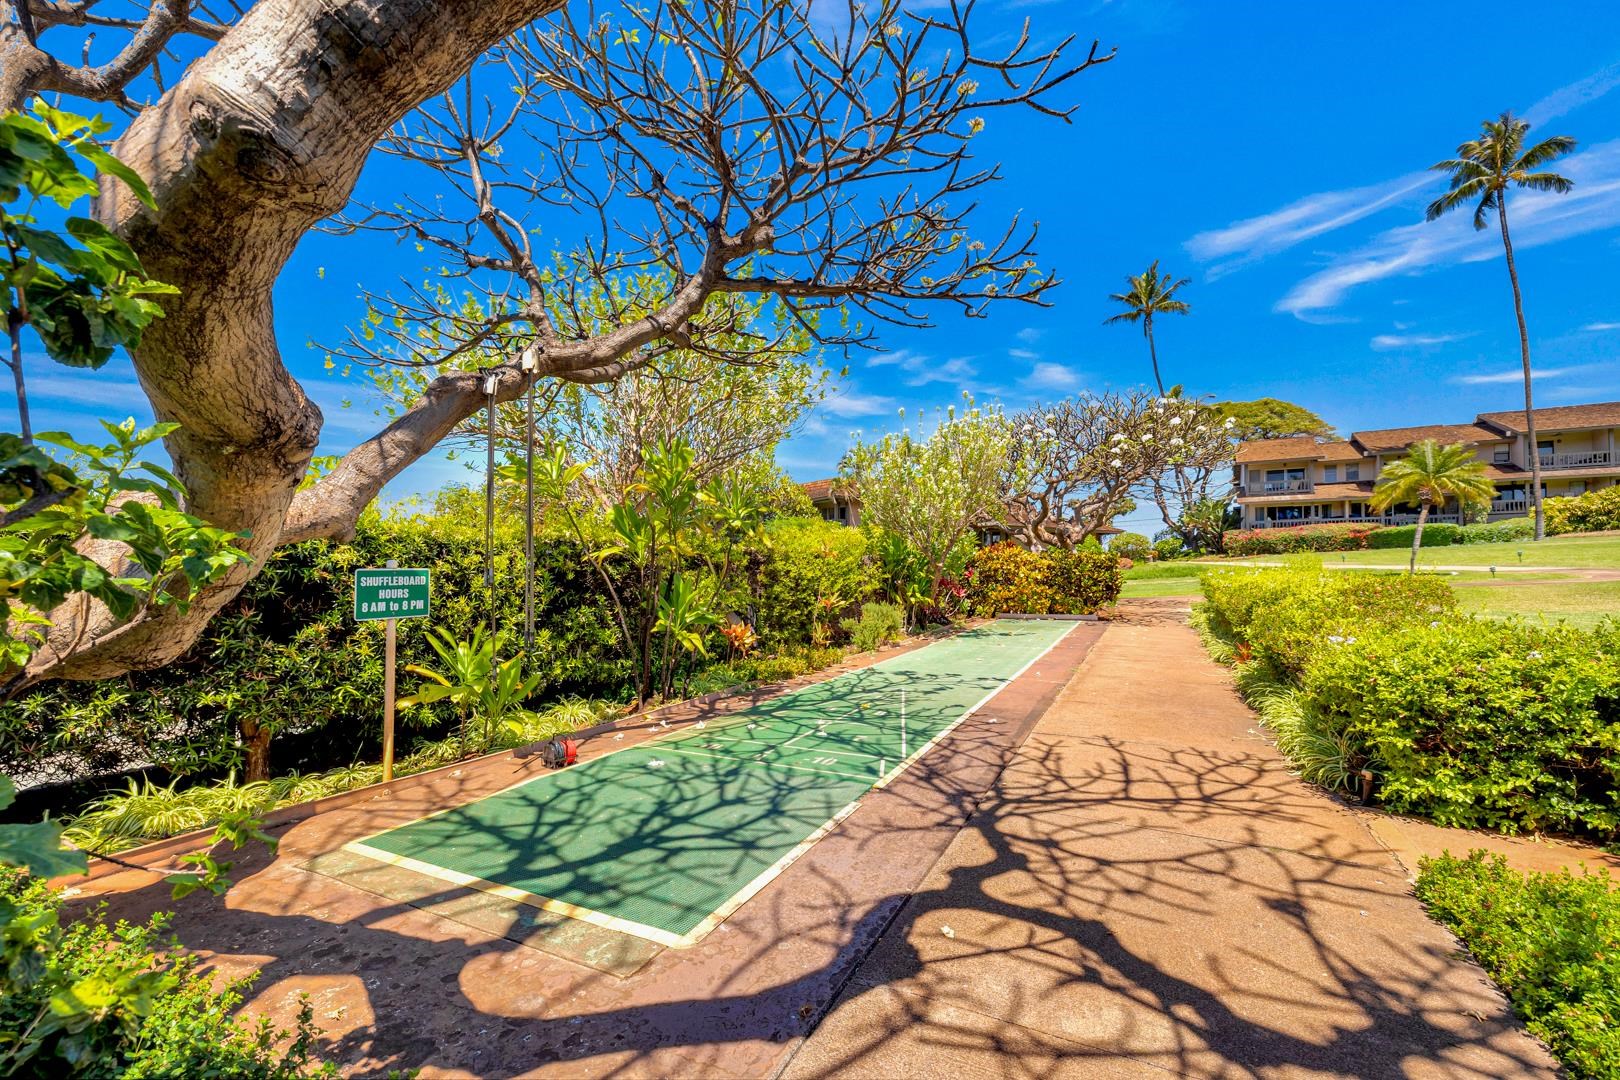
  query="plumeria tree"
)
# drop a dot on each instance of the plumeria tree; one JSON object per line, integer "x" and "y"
{"x": 819, "y": 156}
{"x": 930, "y": 487}
{"x": 1076, "y": 464}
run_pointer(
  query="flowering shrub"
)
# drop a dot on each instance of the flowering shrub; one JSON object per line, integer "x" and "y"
{"x": 1595, "y": 511}
{"x": 1477, "y": 723}
{"x": 1286, "y": 541}
{"x": 1005, "y": 577}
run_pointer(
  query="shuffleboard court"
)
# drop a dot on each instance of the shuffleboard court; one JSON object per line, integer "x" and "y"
{"x": 665, "y": 839}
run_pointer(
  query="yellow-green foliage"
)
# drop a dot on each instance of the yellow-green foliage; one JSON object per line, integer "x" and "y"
{"x": 1595, "y": 511}
{"x": 814, "y": 571}
{"x": 1005, "y": 577}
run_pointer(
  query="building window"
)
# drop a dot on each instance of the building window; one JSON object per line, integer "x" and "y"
{"x": 1352, "y": 472}
{"x": 1330, "y": 474}
{"x": 843, "y": 513}
{"x": 1500, "y": 456}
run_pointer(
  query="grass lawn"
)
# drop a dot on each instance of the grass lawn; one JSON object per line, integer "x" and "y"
{"x": 1577, "y": 551}
{"x": 1175, "y": 578}
{"x": 1583, "y": 603}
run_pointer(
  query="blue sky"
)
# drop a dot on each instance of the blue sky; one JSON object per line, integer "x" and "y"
{"x": 1273, "y": 154}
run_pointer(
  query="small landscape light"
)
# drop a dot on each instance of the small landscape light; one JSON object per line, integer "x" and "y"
{"x": 1493, "y": 571}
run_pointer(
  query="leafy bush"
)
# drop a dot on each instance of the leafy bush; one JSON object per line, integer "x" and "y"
{"x": 1497, "y": 532}
{"x": 878, "y": 624}
{"x": 1283, "y": 617}
{"x": 1083, "y": 580}
{"x": 1287, "y": 541}
{"x": 1129, "y": 545}
{"x": 1477, "y": 723}
{"x": 1551, "y": 942}
{"x": 109, "y": 1001}
{"x": 1168, "y": 548}
{"x": 813, "y": 572}
{"x": 1005, "y": 577}
{"x": 1438, "y": 534}
{"x": 1595, "y": 511}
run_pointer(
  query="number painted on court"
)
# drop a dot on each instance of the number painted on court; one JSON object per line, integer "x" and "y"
{"x": 391, "y": 593}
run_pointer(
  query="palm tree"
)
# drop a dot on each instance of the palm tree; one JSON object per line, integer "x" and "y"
{"x": 1484, "y": 169}
{"x": 1428, "y": 475}
{"x": 1149, "y": 295}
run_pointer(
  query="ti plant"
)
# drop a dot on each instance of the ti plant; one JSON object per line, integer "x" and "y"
{"x": 477, "y": 684}
{"x": 685, "y": 613}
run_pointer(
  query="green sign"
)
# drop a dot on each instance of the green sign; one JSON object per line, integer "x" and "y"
{"x": 390, "y": 594}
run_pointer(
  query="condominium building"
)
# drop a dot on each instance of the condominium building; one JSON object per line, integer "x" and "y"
{"x": 1304, "y": 480}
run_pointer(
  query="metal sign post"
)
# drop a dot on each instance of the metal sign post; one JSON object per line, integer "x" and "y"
{"x": 389, "y": 595}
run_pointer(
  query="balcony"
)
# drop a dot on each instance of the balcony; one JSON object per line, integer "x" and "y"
{"x": 1358, "y": 519}
{"x": 1279, "y": 487}
{"x": 1591, "y": 459}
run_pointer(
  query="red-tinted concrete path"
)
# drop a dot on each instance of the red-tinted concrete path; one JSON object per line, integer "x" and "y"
{"x": 1147, "y": 891}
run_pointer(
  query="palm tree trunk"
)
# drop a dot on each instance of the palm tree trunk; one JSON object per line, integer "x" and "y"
{"x": 1524, "y": 354}
{"x": 1153, "y": 352}
{"x": 1417, "y": 535}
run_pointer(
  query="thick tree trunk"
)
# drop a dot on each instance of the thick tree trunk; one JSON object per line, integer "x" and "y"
{"x": 1524, "y": 355}
{"x": 256, "y": 751}
{"x": 264, "y": 137}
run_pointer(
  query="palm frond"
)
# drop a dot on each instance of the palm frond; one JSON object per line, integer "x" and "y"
{"x": 1545, "y": 182}
{"x": 1544, "y": 151}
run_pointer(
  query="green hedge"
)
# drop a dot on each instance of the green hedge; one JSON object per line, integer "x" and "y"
{"x": 1551, "y": 942}
{"x": 1438, "y": 534}
{"x": 1286, "y": 541}
{"x": 811, "y": 572}
{"x": 1471, "y": 722}
{"x": 1497, "y": 532}
{"x": 1005, "y": 577}
{"x": 1481, "y": 724}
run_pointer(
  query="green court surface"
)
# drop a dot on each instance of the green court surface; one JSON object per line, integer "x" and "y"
{"x": 665, "y": 839}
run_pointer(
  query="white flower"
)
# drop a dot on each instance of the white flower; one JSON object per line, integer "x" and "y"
{"x": 1349, "y": 641}
{"x": 1176, "y": 442}
{"x": 701, "y": 724}
{"x": 1175, "y": 421}
{"x": 1119, "y": 436}
{"x": 656, "y": 763}
{"x": 1230, "y": 422}
{"x": 1115, "y": 463}
{"x": 1336, "y": 639}
{"x": 1147, "y": 438}
{"x": 947, "y": 931}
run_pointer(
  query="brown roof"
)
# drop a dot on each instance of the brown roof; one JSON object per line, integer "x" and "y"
{"x": 826, "y": 489}
{"x": 1387, "y": 439}
{"x": 1601, "y": 414}
{"x": 1341, "y": 451}
{"x": 1294, "y": 448}
{"x": 1507, "y": 471}
{"x": 1352, "y": 489}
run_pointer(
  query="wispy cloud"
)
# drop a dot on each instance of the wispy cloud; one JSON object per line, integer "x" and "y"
{"x": 1599, "y": 327}
{"x": 922, "y": 370}
{"x": 1569, "y": 98}
{"x": 1386, "y": 342}
{"x": 851, "y": 404}
{"x": 1028, "y": 335}
{"x": 1023, "y": 354}
{"x": 1538, "y": 217}
{"x": 1255, "y": 238}
{"x": 1512, "y": 375}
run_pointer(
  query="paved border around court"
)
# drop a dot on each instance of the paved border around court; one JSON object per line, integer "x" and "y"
{"x": 782, "y": 707}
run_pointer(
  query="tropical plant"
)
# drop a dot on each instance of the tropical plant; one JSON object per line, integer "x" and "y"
{"x": 1483, "y": 172}
{"x": 1428, "y": 475}
{"x": 685, "y": 613}
{"x": 476, "y": 683}
{"x": 1150, "y": 294}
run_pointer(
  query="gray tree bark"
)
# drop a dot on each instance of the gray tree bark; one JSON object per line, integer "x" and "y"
{"x": 265, "y": 136}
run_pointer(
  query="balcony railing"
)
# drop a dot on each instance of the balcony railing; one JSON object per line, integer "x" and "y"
{"x": 1588, "y": 460}
{"x": 1279, "y": 487}
{"x": 1510, "y": 506}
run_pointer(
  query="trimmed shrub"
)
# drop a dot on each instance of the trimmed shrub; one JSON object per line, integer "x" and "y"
{"x": 1083, "y": 581}
{"x": 1287, "y": 541}
{"x": 1006, "y": 577}
{"x": 1438, "y": 534}
{"x": 1129, "y": 545}
{"x": 1283, "y": 617}
{"x": 1595, "y": 511}
{"x": 1481, "y": 724}
{"x": 1168, "y": 548}
{"x": 813, "y": 571}
{"x": 1551, "y": 942}
{"x": 878, "y": 624}
{"x": 1497, "y": 532}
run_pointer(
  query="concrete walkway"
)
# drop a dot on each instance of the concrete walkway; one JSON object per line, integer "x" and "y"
{"x": 1145, "y": 891}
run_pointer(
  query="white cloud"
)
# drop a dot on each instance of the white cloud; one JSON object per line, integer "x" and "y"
{"x": 88, "y": 388}
{"x": 1023, "y": 354}
{"x": 1569, "y": 98}
{"x": 922, "y": 370}
{"x": 1028, "y": 335}
{"x": 1385, "y": 342}
{"x": 1536, "y": 217}
{"x": 1049, "y": 376}
{"x": 1511, "y": 375}
{"x": 1599, "y": 327}
{"x": 1256, "y": 237}
{"x": 849, "y": 403}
